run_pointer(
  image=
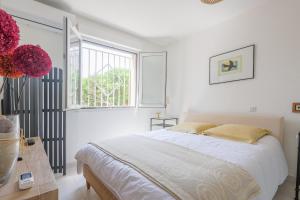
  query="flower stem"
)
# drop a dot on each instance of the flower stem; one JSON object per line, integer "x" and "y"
{"x": 21, "y": 93}
{"x": 3, "y": 84}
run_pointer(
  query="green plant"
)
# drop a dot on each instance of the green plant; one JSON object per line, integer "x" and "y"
{"x": 107, "y": 89}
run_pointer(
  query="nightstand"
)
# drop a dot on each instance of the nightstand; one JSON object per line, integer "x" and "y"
{"x": 36, "y": 161}
{"x": 163, "y": 122}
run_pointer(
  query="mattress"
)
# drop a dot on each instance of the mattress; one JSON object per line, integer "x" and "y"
{"x": 264, "y": 160}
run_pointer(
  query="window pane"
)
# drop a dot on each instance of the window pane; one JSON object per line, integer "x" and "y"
{"x": 74, "y": 73}
{"x": 153, "y": 70}
{"x": 108, "y": 76}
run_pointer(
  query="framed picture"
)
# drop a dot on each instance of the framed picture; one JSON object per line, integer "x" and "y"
{"x": 296, "y": 107}
{"x": 231, "y": 66}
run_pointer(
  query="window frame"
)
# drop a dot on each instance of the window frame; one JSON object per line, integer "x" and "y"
{"x": 140, "y": 104}
{"x": 110, "y": 45}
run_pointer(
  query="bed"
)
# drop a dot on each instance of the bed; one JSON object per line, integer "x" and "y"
{"x": 264, "y": 161}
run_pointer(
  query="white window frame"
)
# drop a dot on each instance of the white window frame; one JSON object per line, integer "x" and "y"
{"x": 68, "y": 27}
{"x": 141, "y": 102}
{"x": 138, "y": 103}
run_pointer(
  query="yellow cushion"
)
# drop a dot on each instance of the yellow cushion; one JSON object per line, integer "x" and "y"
{"x": 243, "y": 133}
{"x": 191, "y": 127}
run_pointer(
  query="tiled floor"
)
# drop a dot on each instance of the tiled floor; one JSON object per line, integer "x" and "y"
{"x": 72, "y": 187}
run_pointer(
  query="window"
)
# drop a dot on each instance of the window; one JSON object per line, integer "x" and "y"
{"x": 153, "y": 79}
{"x": 107, "y": 76}
{"x": 74, "y": 73}
{"x": 98, "y": 75}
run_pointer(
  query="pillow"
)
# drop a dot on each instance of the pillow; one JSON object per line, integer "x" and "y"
{"x": 243, "y": 133}
{"x": 191, "y": 127}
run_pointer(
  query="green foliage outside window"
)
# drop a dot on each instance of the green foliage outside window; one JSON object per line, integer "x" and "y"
{"x": 107, "y": 89}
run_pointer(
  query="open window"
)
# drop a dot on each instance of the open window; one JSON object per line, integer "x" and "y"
{"x": 108, "y": 76}
{"x": 98, "y": 75}
{"x": 72, "y": 69}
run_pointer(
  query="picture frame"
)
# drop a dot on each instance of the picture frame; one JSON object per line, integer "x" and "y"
{"x": 235, "y": 65}
{"x": 296, "y": 107}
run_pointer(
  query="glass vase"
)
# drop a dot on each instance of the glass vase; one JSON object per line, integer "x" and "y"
{"x": 9, "y": 145}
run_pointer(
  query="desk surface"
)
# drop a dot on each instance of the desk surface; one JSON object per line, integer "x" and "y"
{"x": 36, "y": 161}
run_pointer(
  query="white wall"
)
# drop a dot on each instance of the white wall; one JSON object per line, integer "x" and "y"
{"x": 275, "y": 30}
{"x": 35, "y": 11}
{"x": 102, "y": 31}
{"x": 49, "y": 39}
{"x": 93, "y": 125}
{"x": 83, "y": 125}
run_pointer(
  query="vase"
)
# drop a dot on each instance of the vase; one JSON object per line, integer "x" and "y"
{"x": 9, "y": 145}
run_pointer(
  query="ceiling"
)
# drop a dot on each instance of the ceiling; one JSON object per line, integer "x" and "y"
{"x": 160, "y": 21}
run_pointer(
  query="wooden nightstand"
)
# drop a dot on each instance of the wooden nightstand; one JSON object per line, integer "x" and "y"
{"x": 163, "y": 122}
{"x": 36, "y": 161}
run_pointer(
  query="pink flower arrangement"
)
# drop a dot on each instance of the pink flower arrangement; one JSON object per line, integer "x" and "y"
{"x": 9, "y": 33}
{"x": 32, "y": 60}
{"x": 7, "y": 68}
{"x": 15, "y": 62}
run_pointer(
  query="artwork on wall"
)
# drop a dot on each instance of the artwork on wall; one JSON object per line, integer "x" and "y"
{"x": 231, "y": 66}
{"x": 296, "y": 107}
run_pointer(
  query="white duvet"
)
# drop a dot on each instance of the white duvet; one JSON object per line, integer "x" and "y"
{"x": 264, "y": 160}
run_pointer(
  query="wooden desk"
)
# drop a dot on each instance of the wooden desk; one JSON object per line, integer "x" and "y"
{"x": 36, "y": 161}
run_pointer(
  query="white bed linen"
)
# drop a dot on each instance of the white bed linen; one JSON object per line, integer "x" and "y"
{"x": 264, "y": 160}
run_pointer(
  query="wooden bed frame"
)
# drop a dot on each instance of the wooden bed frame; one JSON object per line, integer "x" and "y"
{"x": 273, "y": 123}
{"x": 99, "y": 187}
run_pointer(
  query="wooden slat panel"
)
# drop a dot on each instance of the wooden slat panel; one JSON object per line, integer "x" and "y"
{"x": 64, "y": 142}
{"x": 60, "y": 120}
{"x": 35, "y": 107}
{"x": 16, "y": 89}
{"x": 45, "y": 113}
{"x": 32, "y": 103}
{"x": 55, "y": 119}
{"x": 26, "y": 109}
{"x": 22, "y": 104}
{"x": 41, "y": 113}
{"x": 56, "y": 135}
{"x": 50, "y": 153}
{"x": 6, "y": 106}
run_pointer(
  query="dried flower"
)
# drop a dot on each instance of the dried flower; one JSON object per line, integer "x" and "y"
{"x": 9, "y": 33}
{"x": 7, "y": 68}
{"x": 32, "y": 60}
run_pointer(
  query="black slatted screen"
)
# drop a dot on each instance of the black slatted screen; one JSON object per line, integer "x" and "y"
{"x": 41, "y": 113}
